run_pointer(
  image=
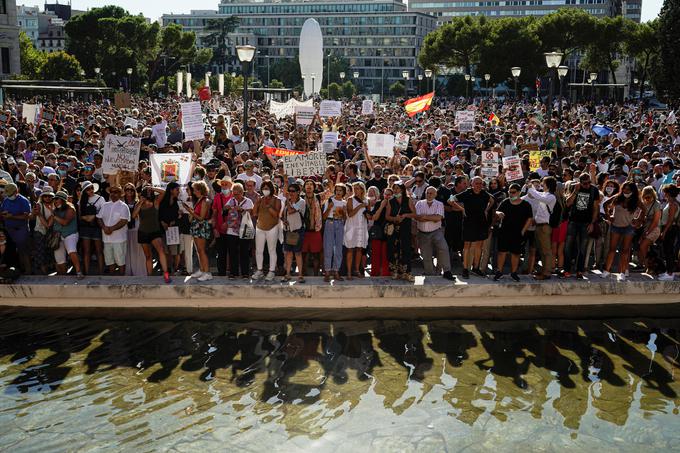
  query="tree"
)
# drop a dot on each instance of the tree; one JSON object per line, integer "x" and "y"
{"x": 609, "y": 34}
{"x": 669, "y": 40}
{"x": 642, "y": 44}
{"x": 348, "y": 89}
{"x": 285, "y": 70}
{"x": 218, "y": 31}
{"x": 567, "y": 30}
{"x": 276, "y": 84}
{"x": 60, "y": 66}
{"x": 456, "y": 43}
{"x": 31, "y": 59}
{"x": 397, "y": 89}
{"x": 334, "y": 91}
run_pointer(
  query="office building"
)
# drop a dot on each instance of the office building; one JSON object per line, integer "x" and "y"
{"x": 52, "y": 35}
{"x": 27, "y": 19}
{"x": 10, "y": 61}
{"x": 379, "y": 38}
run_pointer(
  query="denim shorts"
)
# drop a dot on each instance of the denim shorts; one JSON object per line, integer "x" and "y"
{"x": 623, "y": 231}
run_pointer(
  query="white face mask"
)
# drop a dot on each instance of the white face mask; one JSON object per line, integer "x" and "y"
{"x": 13, "y": 197}
{"x": 266, "y": 192}
{"x": 226, "y": 191}
{"x": 3, "y": 242}
{"x": 609, "y": 190}
{"x": 627, "y": 195}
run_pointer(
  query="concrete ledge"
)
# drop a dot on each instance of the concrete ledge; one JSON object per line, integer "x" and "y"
{"x": 427, "y": 298}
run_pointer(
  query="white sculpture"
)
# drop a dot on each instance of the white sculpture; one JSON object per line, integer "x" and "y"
{"x": 311, "y": 56}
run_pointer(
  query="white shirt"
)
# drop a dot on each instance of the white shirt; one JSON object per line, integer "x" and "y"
{"x": 286, "y": 143}
{"x": 111, "y": 213}
{"x": 255, "y": 177}
{"x": 545, "y": 205}
{"x": 159, "y": 133}
{"x": 423, "y": 208}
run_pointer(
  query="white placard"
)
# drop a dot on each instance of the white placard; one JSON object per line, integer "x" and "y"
{"x": 328, "y": 147}
{"x": 208, "y": 154}
{"x": 490, "y": 164}
{"x": 465, "y": 120}
{"x": 380, "y": 145}
{"x": 180, "y": 84}
{"x": 513, "y": 168}
{"x": 304, "y": 115}
{"x": 241, "y": 148}
{"x": 283, "y": 109}
{"x": 401, "y": 141}
{"x": 330, "y": 108}
{"x": 367, "y": 107}
{"x": 330, "y": 137}
{"x": 30, "y": 113}
{"x": 133, "y": 123}
{"x": 167, "y": 167}
{"x": 172, "y": 236}
{"x": 120, "y": 153}
{"x": 192, "y": 121}
{"x": 309, "y": 164}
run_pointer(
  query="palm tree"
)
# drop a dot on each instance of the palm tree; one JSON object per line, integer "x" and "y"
{"x": 218, "y": 30}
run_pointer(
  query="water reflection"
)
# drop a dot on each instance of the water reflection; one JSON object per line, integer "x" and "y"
{"x": 351, "y": 385}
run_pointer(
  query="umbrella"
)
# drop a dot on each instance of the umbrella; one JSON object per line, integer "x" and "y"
{"x": 601, "y": 130}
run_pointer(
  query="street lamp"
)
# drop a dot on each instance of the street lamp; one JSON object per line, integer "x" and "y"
{"x": 487, "y": 77}
{"x": 342, "y": 76}
{"x": 467, "y": 83}
{"x": 516, "y": 71}
{"x": 635, "y": 83}
{"x": 96, "y": 72}
{"x": 313, "y": 77}
{"x": 207, "y": 79}
{"x": 561, "y": 73}
{"x": 552, "y": 60}
{"x": 592, "y": 79}
{"x": 245, "y": 55}
{"x": 405, "y": 75}
{"x": 328, "y": 71}
{"x": 420, "y": 83}
{"x": 355, "y": 74}
{"x": 129, "y": 81}
{"x": 428, "y": 74}
{"x": 472, "y": 85}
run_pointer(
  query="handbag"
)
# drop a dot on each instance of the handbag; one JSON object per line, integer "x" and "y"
{"x": 246, "y": 231}
{"x": 292, "y": 238}
{"x": 639, "y": 218}
{"x": 52, "y": 237}
{"x": 391, "y": 227}
{"x": 376, "y": 232}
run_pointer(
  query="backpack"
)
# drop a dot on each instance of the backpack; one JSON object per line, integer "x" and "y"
{"x": 555, "y": 214}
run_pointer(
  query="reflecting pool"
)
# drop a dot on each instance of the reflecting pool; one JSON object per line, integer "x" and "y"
{"x": 385, "y": 386}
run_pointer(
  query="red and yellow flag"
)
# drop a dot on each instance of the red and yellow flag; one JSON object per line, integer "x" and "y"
{"x": 419, "y": 104}
{"x": 280, "y": 152}
{"x": 494, "y": 119}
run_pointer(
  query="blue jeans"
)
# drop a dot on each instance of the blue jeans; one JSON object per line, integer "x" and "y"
{"x": 333, "y": 235}
{"x": 575, "y": 246}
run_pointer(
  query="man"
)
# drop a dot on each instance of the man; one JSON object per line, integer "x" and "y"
{"x": 113, "y": 218}
{"x": 417, "y": 185}
{"x": 475, "y": 204}
{"x": 250, "y": 175}
{"x": 515, "y": 217}
{"x": 159, "y": 133}
{"x": 583, "y": 204}
{"x": 15, "y": 211}
{"x": 377, "y": 180}
{"x": 430, "y": 213}
{"x": 544, "y": 206}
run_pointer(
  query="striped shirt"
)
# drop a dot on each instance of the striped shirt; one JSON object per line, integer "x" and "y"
{"x": 424, "y": 208}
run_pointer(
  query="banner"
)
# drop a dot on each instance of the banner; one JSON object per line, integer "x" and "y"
{"x": 490, "y": 164}
{"x": 280, "y": 152}
{"x": 120, "y": 153}
{"x": 304, "y": 115}
{"x": 192, "y": 121}
{"x": 283, "y": 109}
{"x": 166, "y": 168}
{"x": 380, "y": 145}
{"x": 535, "y": 158}
{"x": 367, "y": 107}
{"x": 133, "y": 123}
{"x": 401, "y": 141}
{"x": 330, "y": 108}
{"x": 513, "y": 168}
{"x": 189, "y": 91}
{"x": 465, "y": 120}
{"x": 310, "y": 164}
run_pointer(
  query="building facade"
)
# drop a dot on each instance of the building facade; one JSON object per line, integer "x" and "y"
{"x": 27, "y": 19}
{"x": 52, "y": 35}
{"x": 10, "y": 62}
{"x": 380, "y": 39}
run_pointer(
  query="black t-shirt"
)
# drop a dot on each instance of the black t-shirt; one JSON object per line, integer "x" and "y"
{"x": 475, "y": 207}
{"x": 381, "y": 184}
{"x": 582, "y": 209}
{"x": 515, "y": 218}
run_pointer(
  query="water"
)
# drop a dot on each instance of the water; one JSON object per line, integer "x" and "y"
{"x": 98, "y": 385}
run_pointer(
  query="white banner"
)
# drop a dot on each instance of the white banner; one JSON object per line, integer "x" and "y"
{"x": 192, "y": 121}
{"x": 330, "y": 137}
{"x": 189, "y": 91}
{"x": 31, "y": 112}
{"x": 283, "y": 109}
{"x": 309, "y": 164}
{"x": 179, "y": 83}
{"x": 465, "y": 120}
{"x": 513, "y": 168}
{"x": 120, "y": 153}
{"x": 401, "y": 141}
{"x": 367, "y": 107}
{"x": 133, "y": 123}
{"x": 166, "y": 168}
{"x": 380, "y": 145}
{"x": 304, "y": 115}
{"x": 490, "y": 164}
{"x": 330, "y": 108}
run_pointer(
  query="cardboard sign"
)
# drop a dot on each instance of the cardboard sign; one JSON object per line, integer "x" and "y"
{"x": 465, "y": 120}
{"x": 47, "y": 116}
{"x": 513, "y": 168}
{"x": 330, "y": 108}
{"x": 133, "y": 123}
{"x": 304, "y": 115}
{"x": 166, "y": 168}
{"x": 310, "y": 164}
{"x": 380, "y": 145}
{"x": 192, "y": 121}
{"x": 529, "y": 147}
{"x": 172, "y": 235}
{"x": 401, "y": 141}
{"x": 120, "y": 154}
{"x": 122, "y": 101}
{"x": 367, "y": 107}
{"x": 490, "y": 164}
{"x": 535, "y": 158}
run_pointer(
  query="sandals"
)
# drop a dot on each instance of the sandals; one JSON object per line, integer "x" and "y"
{"x": 285, "y": 278}
{"x": 301, "y": 279}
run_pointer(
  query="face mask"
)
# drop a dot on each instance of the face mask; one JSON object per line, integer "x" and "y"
{"x": 62, "y": 173}
{"x": 609, "y": 190}
{"x": 13, "y": 197}
{"x": 514, "y": 198}
{"x": 226, "y": 191}
{"x": 627, "y": 195}
{"x": 3, "y": 242}
{"x": 397, "y": 195}
{"x": 195, "y": 178}
{"x": 266, "y": 192}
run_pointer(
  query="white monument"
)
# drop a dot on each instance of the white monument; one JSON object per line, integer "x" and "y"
{"x": 311, "y": 56}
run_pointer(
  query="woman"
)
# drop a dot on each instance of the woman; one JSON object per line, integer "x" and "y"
{"x": 89, "y": 230}
{"x": 42, "y": 212}
{"x": 669, "y": 229}
{"x": 294, "y": 227}
{"x": 239, "y": 248}
{"x": 558, "y": 237}
{"x": 313, "y": 243}
{"x": 135, "y": 262}
{"x": 620, "y": 210}
{"x": 65, "y": 222}
{"x": 651, "y": 231}
{"x": 9, "y": 260}
{"x": 150, "y": 233}
{"x": 219, "y": 223}
{"x": 200, "y": 228}
{"x": 515, "y": 216}
{"x": 356, "y": 230}
{"x": 267, "y": 209}
{"x": 334, "y": 214}
{"x": 376, "y": 217}
{"x": 400, "y": 212}
{"x": 168, "y": 214}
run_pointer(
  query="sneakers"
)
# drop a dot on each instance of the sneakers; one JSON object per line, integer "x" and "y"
{"x": 205, "y": 277}
{"x": 514, "y": 276}
{"x": 80, "y": 276}
{"x": 478, "y": 272}
{"x": 449, "y": 276}
{"x": 197, "y": 274}
{"x": 258, "y": 275}
{"x": 270, "y": 277}
{"x": 666, "y": 277}
{"x": 605, "y": 274}
{"x": 497, "y": 276}
{"x": 166, "y": 277}
{"x": 621, "y": 278}
{"x": 465, "y": 274}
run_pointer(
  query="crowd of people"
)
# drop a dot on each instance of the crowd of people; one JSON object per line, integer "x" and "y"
{"x": 601, "y": 201}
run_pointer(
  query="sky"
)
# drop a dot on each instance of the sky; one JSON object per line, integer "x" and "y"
{"x": 154, "y": 9}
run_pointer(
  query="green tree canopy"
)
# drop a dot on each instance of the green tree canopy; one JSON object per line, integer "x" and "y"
{"x": 60, "y": 66}
{"x": 334, "y": 91}
{"x": 566, "y": 31}
{"x": 669, "y": 37}
{"x": 397, "y": 89}
{"x": 456, "y": 43}
{"x": 218, "y": 30}
{"x": 31, "y": 59}
{"x": 643, "y": 44}
{"x": 348, "y": 89}
{"x": 609, "y": 35}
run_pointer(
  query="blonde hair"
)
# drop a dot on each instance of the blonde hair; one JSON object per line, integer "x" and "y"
{"x": 361, "y": 186}
{"x": 201, "y": 187}
{"x": 649, "y": 191}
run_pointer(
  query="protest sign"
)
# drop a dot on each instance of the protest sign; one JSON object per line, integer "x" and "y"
{"x": 367, "y": 107}
{"x": 283, "y": 109}
{"x": 330, "y": 137}
{"x": 304, "y": 115}
{"x": 167, "y": 168}
{"x": 120, "y": 153}
{"x": 465, "y": 120}
{"x": 280, "y": 152}
{"x": 401, "y": 141}
{"x": 241, "y": 148}
{"x": 48, "y": 116}
{"x": 330, "y": 108}
{"x": 208, "y": 154}
{"x": 535, "y": 158}
{"x": 513, "y": 168}
{"x": 172, "y": 236}
{"x": 192, "y": 121}
{"x": 328, "y": 147}
{"x": 380, "y": 145}
{"x": 309, "y": 164}
{"x": 133, "y": 123}
{"x": 30, "y": 113}
{"x": 122, "y": 100}
{"x": 489, "y": 164}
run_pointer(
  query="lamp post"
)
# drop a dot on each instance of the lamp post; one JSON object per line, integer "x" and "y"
{"x": 303, "y": 86}
{"x": 97, "y": 71}
{"x": 328, "y": 71}
{"x": 635, "y": 82}
{"x": 405, "y": 75}
{"x": 420, "y": 83}
{"x": 313, "y": 75}
{"x": 245, "y": 55}
{"x": 516, "y": 71}
{"x": 342, "y": 77}
{"x": 552, "y": 60}
{"x": 561, "y": 73}
{"x": 467, "y": 83}
{"x": 487, "y": 77}
{"x": 356, "y": 80}
{"x": 129, "y": 81}
{"x": 428, "y": 75}
{"x": 592, "y": 79}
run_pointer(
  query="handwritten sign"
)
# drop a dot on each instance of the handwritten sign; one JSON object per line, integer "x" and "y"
{"x": 167, "y": 168}
{"x": 401, "y": 141}
{"x": 172, "y": 235}
{"x": 330, "y": 137}
{"x": 310, "y": 164}
{"x": 120, "y": 153}
{"x": 367, "y": 107}
{"x": 490, "y": 164}
{"x": 513, "y": 168}
{"x": 330, "y": 108}
{"x": 304, "y": 115}
{"x": 535, "y": 158}
{"x": 465, "y": 120}
{"x": 192, "y": 121}
{"x": 31, "y": 112}
{"x": 380, "y": 145}
{"x": 133, "y": 123}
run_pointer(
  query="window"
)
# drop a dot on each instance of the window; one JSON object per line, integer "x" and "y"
{"x": 4, "y": 57}
{"x": 3, "y": 7}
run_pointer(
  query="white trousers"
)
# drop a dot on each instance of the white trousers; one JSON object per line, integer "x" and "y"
{"x": 270, "y": 238}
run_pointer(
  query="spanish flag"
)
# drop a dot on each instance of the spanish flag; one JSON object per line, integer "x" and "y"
{"x": 280, "y": 152}
{"x": 419, "y": 104}
{"x": 494, "y": 119}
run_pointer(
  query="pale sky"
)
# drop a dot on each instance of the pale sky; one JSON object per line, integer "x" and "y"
{"x": 154, "y": 9}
